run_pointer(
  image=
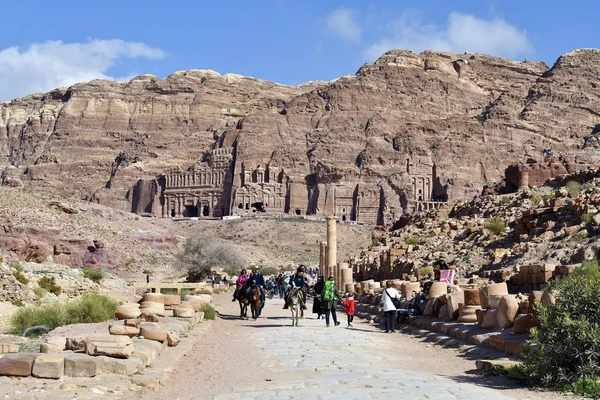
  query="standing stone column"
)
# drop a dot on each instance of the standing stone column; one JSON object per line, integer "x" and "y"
{"x": 331, "y": 245}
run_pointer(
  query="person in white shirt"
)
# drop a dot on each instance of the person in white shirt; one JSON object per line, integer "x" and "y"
{"x": 389, "y": 309}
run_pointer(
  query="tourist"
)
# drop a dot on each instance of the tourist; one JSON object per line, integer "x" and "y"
{"x": 439, "y": 265}
{"x": 349, "y": 307}
{"x": 299, "y": 281}
{"x": 330, "y": 296}
{"x": 389, "y": 309}
{"x": 318, "y": 300}
{"x": 242, "y": 278}
{"x": 281, "y": 285}
{"x": 256, "y": 278}
{"x": 212, "y": 279}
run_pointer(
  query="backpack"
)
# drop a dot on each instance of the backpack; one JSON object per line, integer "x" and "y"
{"x": 329, "y": 293}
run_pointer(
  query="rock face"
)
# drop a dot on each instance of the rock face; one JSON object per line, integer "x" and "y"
{"x": 403, "y": 132}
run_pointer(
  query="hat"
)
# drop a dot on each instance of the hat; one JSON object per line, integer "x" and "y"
{"x": 256, "y": 267}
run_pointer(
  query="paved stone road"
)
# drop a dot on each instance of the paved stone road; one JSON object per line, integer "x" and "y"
{"x": 315, "y": 362}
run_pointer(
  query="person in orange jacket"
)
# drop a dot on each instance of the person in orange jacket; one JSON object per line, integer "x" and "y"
{"x": 349, "y": 307}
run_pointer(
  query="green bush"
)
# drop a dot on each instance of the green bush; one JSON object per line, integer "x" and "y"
{"x": 424, "y": 271}
{"x": 496, "y": 225}
{"x": 564, "y": 351}
{"x": 39, "y": 292}
{"x": 587, "y": 218}
{"x": 18, "y": 303}
{"x": 49, "y": 284}
{"x": 204, "y": 291}
{"x": 89, "y": 308}
{"x": 94, "y": 274}
{"x": 268, "y": 271}
{"x": 536, "y": 199}
{"x": 20, "y": 277}
{"x": 16, "y": 266}
{"x": 574, "y": 188}
{"x": 506, "y": 200}
{"x": 413, "y": 240}
{"x": 209, "y": 311}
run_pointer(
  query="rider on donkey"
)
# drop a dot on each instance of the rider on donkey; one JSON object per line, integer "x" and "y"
{"x": 300, "y": 281}
{"x": 242, "y": 278}
{"x": 258, "y": 279}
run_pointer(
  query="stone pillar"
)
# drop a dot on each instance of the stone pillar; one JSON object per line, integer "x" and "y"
{"x": 331, "y": 245}
{"x": 322, "y": 257}
{"x": 524, "y": 180}
{"x": 345, "y": 273}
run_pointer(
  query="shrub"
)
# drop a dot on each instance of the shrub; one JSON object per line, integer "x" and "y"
{"x": 536, "y": 199}
{"x": 574, "y": 188}
{"x": 587, "y": 218}
{"x": 268, "y": 271}
{"x": 496, "y": 225}
{"x": 506, "y": 200}
{"x": 547, "y": 196}
{"x": 18, "y": 303}
{"x": 565, "y": 344}
{"x": 20, "y": 277}
{"x": 588, "y": 186}
{"x": 202, "y": 253}
{"x": 209, "y": 311}
{"x": 39, "y": 292}
{"x": 94, "y": 274}
{"x": 49, "y": 284}
{"x": 203, "y": 291}
{"x": 424, "y": 271}
{"x": 16, "y": 266}
{"x": 90, "y": 308}
{"x": 413, "y": 240}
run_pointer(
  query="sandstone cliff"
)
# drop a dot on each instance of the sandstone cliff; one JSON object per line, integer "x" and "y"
{"x": 405, "y": 130}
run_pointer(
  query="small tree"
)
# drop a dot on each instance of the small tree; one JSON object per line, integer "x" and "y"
{"x": 565, "y": 351}
{"x": 202, "y": 252}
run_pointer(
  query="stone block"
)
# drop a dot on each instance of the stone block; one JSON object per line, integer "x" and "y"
{"x": 472, "y": 297}
{"x": 54, "y": 344}
{"x": 507, "y": 311}
{"x": 497, "y": 342}
{"x": 173, "y": 339}
{"x": 51, "y": 366}
{"x": 133, "y": 321}
{"x": 75, "y": 343}
{"x": 123, "y": 330}
{"x": 490, "y": 319}
{"x": 127, "y": 311}
{"x": 6, "y": 348}
{"x": 154, "y": 333}
{"x": 154, "y": 297}
{"x": 512, "y": 347}
{"x": 81, "y": 366}
{"x": 19, "y": 364}
{"x": 110, "y": 365}
{"x": 183, "y": 312}
{"x": 172, "y": 299}
{"x": 453, "y": 300}
{"x": 109, "y": 345}
{"x": 485, "y": 365}
{"x": 522, "y": 323}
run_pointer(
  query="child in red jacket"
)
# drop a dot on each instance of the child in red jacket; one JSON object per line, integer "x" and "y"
{"x": 349, "y": 307}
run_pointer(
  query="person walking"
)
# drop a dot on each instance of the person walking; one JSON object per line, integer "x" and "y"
{"x": 318, "y": 300}
{"x": 389, "y": 309}
{"x": 349, "y": 307}
{"x": 330, "y": 296}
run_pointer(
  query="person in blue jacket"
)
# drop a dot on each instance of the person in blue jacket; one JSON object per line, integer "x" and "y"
{"x": 256, "y": 278}
{"x": 300, "y": 281}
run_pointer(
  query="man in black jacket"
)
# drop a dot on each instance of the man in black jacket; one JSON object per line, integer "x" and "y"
{"x": 256, "y": 278}
{"x": 298, "y": 280}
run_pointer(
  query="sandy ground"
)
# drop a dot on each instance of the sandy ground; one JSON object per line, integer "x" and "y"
{"x": 233, "y": 351}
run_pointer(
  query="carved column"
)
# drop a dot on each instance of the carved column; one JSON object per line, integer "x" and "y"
{"x": 331, "y": 245}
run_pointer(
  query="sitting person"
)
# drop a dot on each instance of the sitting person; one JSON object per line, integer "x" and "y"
{"x": 242, "y": 278}
{"x": 300, "y": 281}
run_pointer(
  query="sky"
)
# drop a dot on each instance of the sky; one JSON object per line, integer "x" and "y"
{"x": 45, "y": 45}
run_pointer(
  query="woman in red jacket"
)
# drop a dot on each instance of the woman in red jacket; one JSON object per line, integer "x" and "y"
{"x": 349, "y": 307}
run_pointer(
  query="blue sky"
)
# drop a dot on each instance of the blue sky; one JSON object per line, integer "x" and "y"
{"x": 49, "y": 44}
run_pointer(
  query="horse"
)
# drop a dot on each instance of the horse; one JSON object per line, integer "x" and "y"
{"x": 295, "y": 301}
{"x": 241, "y": 298}
{"x": 255, "y": 300}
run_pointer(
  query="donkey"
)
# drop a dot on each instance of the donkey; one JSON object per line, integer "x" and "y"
{"x": 241, "y": 298}
{"x": 295, "y": 301}
{"x": 255, "y": 301}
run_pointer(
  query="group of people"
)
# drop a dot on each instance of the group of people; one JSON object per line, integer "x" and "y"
{"x": 327, "y": 296}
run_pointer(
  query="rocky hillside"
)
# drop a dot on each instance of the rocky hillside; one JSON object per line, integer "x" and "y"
{"x": 50, "y": 230}
{"x": 460, "y": 119}
{"x": 544, "y": 232}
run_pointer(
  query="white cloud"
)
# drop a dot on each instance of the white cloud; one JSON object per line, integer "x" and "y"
{"x": 342, "y": 23}
{"x": 463, "y": 32}
{"x": 44, "y": 66}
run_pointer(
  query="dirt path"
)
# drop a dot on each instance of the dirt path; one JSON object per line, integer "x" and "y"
{"x": 268, "y": 358}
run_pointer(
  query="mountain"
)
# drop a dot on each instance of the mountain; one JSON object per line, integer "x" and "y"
{"x": 407, "y": 132}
